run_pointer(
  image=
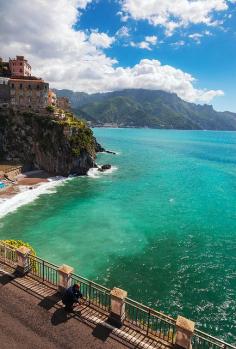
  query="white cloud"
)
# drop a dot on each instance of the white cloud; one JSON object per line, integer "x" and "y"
{"x": 178, "y": 43}
{"x": 172, "y": 14}
{"x": 71, "y": 59}
{"x": 101, "y": 40}
{"x": 123, "y": 32}
{"x": 143, "y": 45}
{"x": 196, "y": 37}
{"x": 151, "y": 39}
{"x": 146, "y": 44}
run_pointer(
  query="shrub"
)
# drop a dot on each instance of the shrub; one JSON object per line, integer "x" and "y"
{"x": 50, "y": 108}
{"x": 17, "y": 243}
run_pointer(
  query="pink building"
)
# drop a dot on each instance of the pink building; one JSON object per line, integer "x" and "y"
{"x": 19, "y": 66}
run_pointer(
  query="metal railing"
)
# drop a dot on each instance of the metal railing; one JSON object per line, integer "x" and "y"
{"x": 94, "y": 293}
{"x": 8, "y": 254}
{"x": 137, "y": 315}
{"x": 43, "y": 270}
{"x": 150, "y": 321}
{"x": 202, "y": 340}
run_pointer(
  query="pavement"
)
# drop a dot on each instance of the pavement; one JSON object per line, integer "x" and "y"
{"x": 32, "y": 317}
{"x": 27, "y": 322}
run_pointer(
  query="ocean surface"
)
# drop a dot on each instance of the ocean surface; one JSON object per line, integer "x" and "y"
{"x": 161, "y": 224}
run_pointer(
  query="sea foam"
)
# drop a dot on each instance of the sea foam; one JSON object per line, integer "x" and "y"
{"x": 95, "y": 173}
{"x": 26, "y": 195}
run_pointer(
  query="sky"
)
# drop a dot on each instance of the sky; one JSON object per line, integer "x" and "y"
{"x": 187, "y": 47}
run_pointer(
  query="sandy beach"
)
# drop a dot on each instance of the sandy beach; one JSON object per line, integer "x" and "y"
{"x": 26, "y": 188}
{"x": 22, "y": 182}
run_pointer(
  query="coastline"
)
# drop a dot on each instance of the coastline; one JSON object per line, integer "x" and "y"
{"x": 25, "y": 189}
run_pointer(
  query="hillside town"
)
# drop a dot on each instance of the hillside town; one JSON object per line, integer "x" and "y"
{"x": 22, "y": 91}
{"x": 25, "y": 97}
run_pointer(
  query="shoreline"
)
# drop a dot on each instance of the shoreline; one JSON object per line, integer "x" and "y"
{"x": 25, "y": 188}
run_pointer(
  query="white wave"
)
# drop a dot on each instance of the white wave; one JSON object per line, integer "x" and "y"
{"x": 26, "y": 195}
{"x": 113, "y": 152}
{"x": 95, "y": 173}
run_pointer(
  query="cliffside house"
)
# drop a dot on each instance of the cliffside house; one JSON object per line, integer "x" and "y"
{"x": 20, "y": 90}
{"x": 4, "y": 92}
{"x": 19, "y": 66}
{"x": 28, "y": 93}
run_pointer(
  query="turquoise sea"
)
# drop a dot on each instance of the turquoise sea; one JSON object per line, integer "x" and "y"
{"x": 161, "y": 225}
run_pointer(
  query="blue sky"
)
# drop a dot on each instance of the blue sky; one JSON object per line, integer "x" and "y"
{"x": 182, "y": 46}
{"x": 211, "y": 59}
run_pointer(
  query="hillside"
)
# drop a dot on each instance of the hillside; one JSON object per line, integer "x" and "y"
{"x": 60, "y": 147}
{"x": 146, "y": 108}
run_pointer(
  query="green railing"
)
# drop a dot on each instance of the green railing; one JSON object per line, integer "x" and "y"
{"x": 150, "y": 321}
{"x": 94, "y": 293}
{"x": 137, "y": 315}
{"x": 202, "y": 340}
{"x": 8, "y": 254}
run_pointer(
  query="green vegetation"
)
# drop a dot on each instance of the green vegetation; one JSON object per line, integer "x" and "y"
{"x": 146, "y": 108}
{"x": 18, "y": 243}
{"x": 50, "y": 142}
{"x": 50, "y": 108}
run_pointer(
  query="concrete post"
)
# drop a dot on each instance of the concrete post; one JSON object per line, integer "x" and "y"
{"x": 23, "y": 263}
{"x": 64, "y": 273}
{"x": 117, "y": 313}
{"x": 184, "y": 333}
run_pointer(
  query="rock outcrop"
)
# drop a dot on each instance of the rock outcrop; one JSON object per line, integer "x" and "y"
{"x": 60, "y": 147}
{"x": 104, "y": 167}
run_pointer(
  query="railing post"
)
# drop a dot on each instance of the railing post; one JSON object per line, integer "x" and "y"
{"x": 23, "y": 263}
{"x": 117, "y": 312}
{"x": 90, "y": 292}
{"x": 148, "y": 323}
{"x": 43, "y": 271}
{"x": 64, "y": 273}
{"x": 184, "y": 333}
{"x": 5, "y": 253}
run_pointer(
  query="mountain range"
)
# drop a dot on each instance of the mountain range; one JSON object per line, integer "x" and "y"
{"x": 146, "y": 108}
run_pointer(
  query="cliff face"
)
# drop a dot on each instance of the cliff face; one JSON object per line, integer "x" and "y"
{"x": 60, "y": 147}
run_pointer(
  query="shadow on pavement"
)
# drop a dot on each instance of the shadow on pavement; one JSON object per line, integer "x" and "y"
{"x": 101, "y": 332}
{"x": 49, "y": 302}
{"x": 6, "y": 278}
{"x": 59, "y": 316}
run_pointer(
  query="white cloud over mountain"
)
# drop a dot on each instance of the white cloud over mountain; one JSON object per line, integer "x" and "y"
{"x": 44, "y": 32}
{"x": 172, "y": 14}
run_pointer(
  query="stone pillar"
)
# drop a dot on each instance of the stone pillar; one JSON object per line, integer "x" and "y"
{"x": 23, "y": 263}
{"x": 184, "y": 332}
{"x": 64, "y": 274}
{"x": 117, "y": 313}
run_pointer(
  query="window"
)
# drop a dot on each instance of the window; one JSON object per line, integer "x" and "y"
{"x": 21, "y": 86}
{"x": 20, "y": 63}
{"x": 21, "y": 70}
{"x": 29, "y": 87}
{"x": 37, "y": 87}
{"x": 12, "y": 86}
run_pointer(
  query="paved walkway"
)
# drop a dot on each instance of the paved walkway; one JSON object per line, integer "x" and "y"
{"x": 32, "y": 316}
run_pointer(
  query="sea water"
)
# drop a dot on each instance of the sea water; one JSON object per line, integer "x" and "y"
{"x": 160, "y": 224}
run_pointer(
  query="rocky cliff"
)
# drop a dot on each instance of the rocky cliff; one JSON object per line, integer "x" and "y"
{"x": 60, "y": 147}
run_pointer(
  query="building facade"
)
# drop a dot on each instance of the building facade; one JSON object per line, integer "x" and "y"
{"x": 19, "y": 66}
{"x": 28, "y": 93}
{"x": 4, "y": 92}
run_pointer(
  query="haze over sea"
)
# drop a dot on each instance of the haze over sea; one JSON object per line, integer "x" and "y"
{"x": 161, "y": 225}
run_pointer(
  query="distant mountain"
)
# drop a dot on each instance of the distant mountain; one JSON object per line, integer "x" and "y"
{"x": 147, "y": 108}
